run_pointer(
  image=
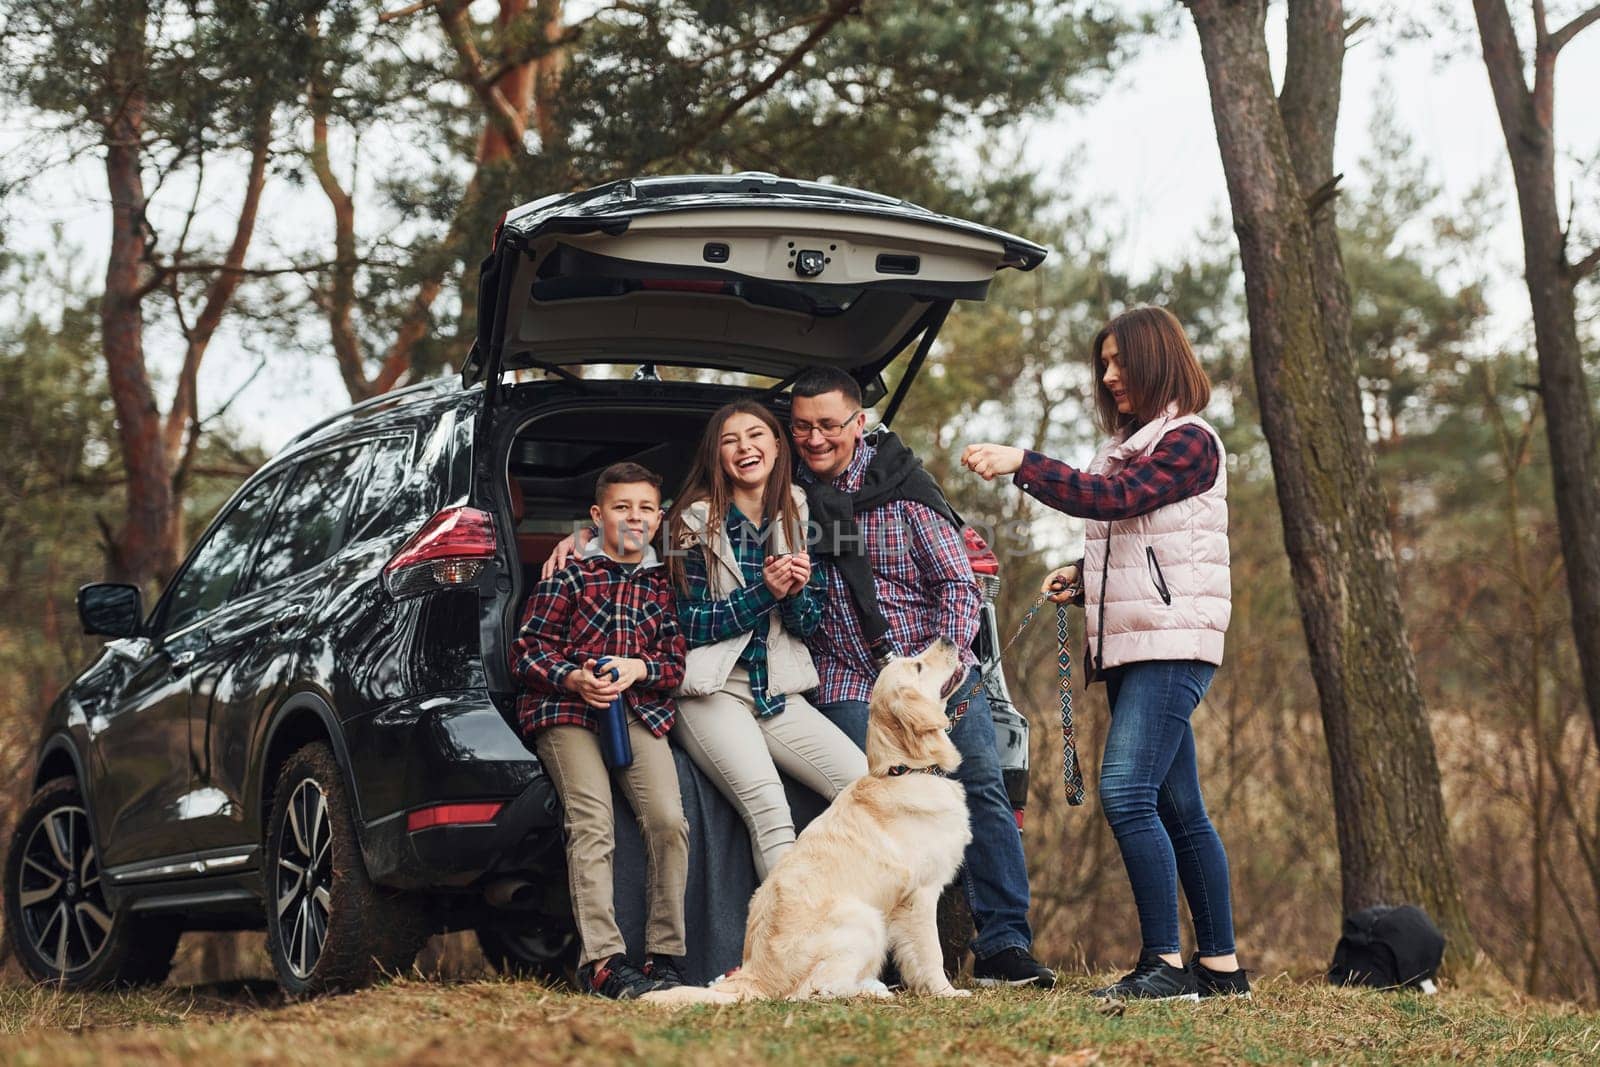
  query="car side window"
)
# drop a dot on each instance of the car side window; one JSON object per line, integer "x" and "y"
{"x": 214, "y": 566}
{"x": 381, "y": 504}
{"x": 308, "y": 523}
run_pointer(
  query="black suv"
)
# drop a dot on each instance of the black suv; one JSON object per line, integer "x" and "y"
{"x": 312, "y": 730}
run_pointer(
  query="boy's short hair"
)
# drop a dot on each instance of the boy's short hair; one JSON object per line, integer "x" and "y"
{"x": 625, "y": 474}
{"x": 815, "y": 381}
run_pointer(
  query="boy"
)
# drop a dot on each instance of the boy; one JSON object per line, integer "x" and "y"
{"x": 613, "y": 600}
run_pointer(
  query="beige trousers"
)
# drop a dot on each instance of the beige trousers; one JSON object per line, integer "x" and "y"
{"x": 571, "y": 754}
{"x": 743, "y": 755}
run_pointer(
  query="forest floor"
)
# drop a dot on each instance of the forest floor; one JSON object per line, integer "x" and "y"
{"x": 506, "y": 1022}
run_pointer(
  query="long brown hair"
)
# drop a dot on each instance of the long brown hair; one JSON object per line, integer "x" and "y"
{"x": 1158, "y": 368}
{"x": 707, "y": 481}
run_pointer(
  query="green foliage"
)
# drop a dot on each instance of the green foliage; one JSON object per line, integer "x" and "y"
{"x": 61, "y": 478}
{"x": 205, "y": 69}
{"x": 651, "y": 87}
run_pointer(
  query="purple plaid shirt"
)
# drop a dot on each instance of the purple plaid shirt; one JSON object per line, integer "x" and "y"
{"x": 924, "y": 584}
{"x": 1183, "y": 464}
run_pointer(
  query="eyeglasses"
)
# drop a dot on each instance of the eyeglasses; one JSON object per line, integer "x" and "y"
{"x": 802, "y": 430}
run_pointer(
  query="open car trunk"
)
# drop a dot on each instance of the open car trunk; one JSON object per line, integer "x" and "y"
{"x": 747, "y": 273}
{"x": 556, "y": 455}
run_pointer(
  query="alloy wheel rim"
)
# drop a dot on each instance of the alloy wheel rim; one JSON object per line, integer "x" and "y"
{"x": 304, "y": 890}
{"x": 63, "y": 905}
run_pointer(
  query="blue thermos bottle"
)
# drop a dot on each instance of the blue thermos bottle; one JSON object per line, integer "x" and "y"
{"x": 614, "y": 743}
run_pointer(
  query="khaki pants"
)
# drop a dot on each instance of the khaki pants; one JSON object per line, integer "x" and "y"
{"x": 743, "y": 754}
{"x": 571, "y": 754}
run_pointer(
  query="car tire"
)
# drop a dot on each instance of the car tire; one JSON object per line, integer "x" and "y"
{"x": 57, "y": 920}
{"x": 329, "y": 928}
{"x": 520, "y": 945}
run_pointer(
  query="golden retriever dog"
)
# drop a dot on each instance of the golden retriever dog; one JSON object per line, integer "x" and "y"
{"x": 863, "y": 878}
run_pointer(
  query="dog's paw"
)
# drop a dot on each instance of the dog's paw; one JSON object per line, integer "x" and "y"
{"x": 874, "y": 988}
{"x": 952, "y": 991}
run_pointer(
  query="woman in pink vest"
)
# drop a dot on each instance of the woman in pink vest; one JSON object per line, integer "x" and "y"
{"x": 1156, "y": 596}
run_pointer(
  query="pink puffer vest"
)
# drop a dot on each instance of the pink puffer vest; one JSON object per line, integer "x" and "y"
{"x": 1167, "y": 594}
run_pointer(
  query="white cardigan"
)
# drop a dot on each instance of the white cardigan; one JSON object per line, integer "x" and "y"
{"x": 789, "y": 666}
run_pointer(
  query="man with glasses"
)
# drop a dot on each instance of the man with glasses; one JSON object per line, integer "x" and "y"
{"x": 898, "y": 577}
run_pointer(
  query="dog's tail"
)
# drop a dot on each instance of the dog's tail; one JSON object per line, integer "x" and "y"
{"x": 731, "y": 990}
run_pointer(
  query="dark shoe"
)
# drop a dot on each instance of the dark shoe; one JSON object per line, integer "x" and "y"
{"x": 1012, "y": 966}
{"x": 1218, "y": 983}
{"x": 615, "y": 978}
{"x": 1153, "y": 979}
{"x": 663, "y": 971}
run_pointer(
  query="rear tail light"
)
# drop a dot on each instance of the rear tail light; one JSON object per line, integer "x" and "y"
{"x": 452, "y": 815}
{"x": 1018, "y": 813}
{"x": 450, "y": 550}
{"x": 985, "y": 565}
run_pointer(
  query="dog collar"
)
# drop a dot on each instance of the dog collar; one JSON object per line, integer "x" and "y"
{"x": 900, "y": 768}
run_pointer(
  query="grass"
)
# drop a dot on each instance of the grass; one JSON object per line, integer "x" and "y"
{"x": 483, "y": 1022}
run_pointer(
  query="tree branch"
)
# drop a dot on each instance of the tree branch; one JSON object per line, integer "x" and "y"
{"x": 185, "y": 403}
{"x": 753, "y": 41}
{"x": 535, "y": 49}
{"x": 505, "y": 117}
{"x": 1565, "y": 34}
{"x": 836, "y": 12}
{"x": 1502, "y": 56}
{"x": 1586, "y": 266}
{"x": 407, "y": 11}
{"x": 340, "y": 295}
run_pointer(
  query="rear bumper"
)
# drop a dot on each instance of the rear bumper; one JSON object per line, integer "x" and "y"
{"x": 449, "y": 749}
{"x": 524, "y": 837}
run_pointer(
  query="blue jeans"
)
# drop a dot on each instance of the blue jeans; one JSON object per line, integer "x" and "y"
{"x": 994, "y": 874}
{"x": 1150, "y": 791}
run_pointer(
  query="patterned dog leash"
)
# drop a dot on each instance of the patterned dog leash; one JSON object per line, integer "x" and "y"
{"x": 1071, "y": 772}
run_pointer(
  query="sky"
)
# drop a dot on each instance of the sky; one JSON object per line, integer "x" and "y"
{"x": 1144, "y": 152}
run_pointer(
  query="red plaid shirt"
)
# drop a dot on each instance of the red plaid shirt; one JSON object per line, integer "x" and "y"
{"x": 923, "y": 579}
{"x": 589, "y": 609}
{"x": 1183, "y": 464}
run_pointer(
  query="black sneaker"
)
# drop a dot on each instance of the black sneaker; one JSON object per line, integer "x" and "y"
{"x": 1218, "y": 983}
{"x": 663, "y": 971}
{"x": 615, "y": 978}
{"x": 1012, "y": 966}
{"x": 1153, "y": 979}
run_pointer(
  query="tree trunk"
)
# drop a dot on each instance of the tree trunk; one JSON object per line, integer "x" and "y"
{"x": 1526, "y": 120}
{"x": 143, "y": 550}
{"x": 1388, "y": 809}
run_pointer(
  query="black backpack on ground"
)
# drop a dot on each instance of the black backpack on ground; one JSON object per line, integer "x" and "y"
{"x": 1388, "y": 948}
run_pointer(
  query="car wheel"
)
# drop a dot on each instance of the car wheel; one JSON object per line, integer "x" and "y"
{"x": 57, "y": 917}
{"x": 328, "y": 927}
{"x": 531, "y": 946}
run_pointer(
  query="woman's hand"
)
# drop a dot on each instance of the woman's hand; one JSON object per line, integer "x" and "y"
{"x": 1061, "y": 584}
{"x": 778, "y": 573}
{"x": 800, "y": 569}
{"x": 990, "y": 461}
{"x": 559, "y": 555}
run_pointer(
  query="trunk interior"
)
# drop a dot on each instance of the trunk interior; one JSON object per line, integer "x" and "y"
{"x": 557, "y": 453}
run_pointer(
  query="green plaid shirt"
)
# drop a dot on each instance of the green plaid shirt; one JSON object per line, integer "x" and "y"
{"x": 706, "y": 621}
